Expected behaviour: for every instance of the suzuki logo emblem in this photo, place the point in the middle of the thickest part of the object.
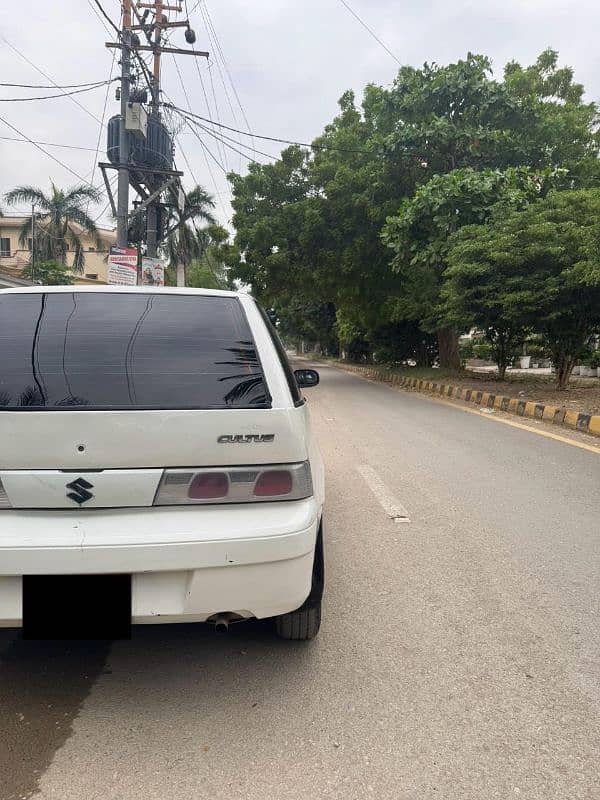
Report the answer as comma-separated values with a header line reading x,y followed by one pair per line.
x,y
80,491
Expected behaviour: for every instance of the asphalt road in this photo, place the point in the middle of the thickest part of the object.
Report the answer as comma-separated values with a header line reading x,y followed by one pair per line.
x,y
459,655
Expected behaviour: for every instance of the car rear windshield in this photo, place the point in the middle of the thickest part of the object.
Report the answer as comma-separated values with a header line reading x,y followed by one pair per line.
x,y
108,350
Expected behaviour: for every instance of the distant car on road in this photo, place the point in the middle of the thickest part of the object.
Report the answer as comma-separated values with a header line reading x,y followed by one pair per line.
x,y
159,435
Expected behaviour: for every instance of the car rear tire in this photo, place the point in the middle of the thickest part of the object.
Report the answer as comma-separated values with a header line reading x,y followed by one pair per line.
x,y
300,625
304,623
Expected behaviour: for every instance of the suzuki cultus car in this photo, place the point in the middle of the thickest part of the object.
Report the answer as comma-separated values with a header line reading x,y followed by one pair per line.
x,y
159,435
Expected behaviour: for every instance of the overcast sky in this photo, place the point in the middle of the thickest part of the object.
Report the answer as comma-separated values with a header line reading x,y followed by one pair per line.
x,y
289,62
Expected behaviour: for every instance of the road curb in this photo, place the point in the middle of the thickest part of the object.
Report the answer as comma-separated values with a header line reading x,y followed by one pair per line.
x,y
574,420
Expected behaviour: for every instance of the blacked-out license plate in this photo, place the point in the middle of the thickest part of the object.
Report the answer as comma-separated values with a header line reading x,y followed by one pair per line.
x,y
77,606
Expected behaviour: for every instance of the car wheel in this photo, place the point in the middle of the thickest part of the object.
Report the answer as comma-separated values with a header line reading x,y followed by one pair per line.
x,y
304,623
300,625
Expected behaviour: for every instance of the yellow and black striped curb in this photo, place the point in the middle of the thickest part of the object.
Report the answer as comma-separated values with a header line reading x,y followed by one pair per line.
x,y
576,420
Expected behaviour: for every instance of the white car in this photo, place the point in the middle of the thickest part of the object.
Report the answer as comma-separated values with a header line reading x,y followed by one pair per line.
x,y
155,451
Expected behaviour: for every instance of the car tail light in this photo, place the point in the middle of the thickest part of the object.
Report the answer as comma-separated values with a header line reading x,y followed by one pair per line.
x,y
273,482
4,501
208,486
234,485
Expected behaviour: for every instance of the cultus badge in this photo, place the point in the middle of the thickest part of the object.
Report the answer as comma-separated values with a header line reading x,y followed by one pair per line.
x,y
245,438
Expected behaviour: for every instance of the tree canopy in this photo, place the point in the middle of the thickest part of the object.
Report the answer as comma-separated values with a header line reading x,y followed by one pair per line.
x,y
536,268
348,242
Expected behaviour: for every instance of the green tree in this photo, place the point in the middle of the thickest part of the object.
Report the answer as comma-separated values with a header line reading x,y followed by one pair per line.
x,y
49,273
457,116
308,225
419,237
537,268
60,219
184,244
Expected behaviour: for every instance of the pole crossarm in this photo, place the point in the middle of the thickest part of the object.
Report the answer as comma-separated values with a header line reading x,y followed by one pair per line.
x,y
141,168
157,49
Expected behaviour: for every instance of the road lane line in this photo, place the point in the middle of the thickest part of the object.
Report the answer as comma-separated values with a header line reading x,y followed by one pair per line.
x,y
392,507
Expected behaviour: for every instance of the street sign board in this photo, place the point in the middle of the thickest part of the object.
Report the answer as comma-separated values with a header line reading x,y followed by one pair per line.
x,y
153,272
122,266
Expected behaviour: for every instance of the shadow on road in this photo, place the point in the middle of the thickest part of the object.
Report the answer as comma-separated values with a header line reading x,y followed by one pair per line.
x,y
42,687
44,684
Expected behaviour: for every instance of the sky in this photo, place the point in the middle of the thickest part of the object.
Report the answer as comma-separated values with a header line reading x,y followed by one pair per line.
x,y
289,63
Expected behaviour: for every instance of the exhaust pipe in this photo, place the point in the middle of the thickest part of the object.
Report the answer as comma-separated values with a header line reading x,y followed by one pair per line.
x,y
221,624
223,620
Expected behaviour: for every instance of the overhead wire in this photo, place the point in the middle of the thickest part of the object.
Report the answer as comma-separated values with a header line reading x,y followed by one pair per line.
x,y
221,154
370,31
46,86
312,146
222,137
106,17
41,71
39,147
226,68
101,128
47,144
55,96
214,43
204,148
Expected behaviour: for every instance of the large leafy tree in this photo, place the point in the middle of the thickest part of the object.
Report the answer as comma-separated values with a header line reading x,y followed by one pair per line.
x,y
185,242
308,226
60,219
466,131
419,237
538,267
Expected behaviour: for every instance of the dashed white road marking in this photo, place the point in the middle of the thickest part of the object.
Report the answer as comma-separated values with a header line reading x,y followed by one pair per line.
x,y
392,507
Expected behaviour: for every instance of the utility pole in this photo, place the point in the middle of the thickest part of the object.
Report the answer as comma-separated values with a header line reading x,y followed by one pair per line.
x,y
152,212
123,186
148,180
33,242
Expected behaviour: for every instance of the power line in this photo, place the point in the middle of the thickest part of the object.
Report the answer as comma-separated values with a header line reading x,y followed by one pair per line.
x,y
223,59
54,96
48,144
58,161
48,78
101,128
269,138
107,18
210,172
370,31
223,136
212,37
206,96
197,135
46,86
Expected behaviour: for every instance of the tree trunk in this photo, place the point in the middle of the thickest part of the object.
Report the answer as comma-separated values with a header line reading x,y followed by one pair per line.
x,y
180,274
448,347
564,366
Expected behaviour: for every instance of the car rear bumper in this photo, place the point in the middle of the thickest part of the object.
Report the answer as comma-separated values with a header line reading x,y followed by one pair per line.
x,y
187,564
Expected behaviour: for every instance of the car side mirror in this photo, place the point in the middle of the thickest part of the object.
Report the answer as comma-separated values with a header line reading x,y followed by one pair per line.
x,y
305,378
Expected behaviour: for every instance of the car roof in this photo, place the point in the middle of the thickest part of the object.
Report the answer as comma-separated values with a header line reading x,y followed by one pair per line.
x,y
105,288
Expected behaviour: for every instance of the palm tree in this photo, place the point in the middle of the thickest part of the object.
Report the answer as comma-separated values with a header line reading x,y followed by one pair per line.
x,y
56,216
185,243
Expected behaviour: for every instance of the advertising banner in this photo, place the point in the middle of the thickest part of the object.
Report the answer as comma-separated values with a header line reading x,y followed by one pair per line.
x,y
153,271
122,266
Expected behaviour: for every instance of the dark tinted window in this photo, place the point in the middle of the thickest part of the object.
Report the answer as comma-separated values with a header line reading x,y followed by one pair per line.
x,y
108,350
289,373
